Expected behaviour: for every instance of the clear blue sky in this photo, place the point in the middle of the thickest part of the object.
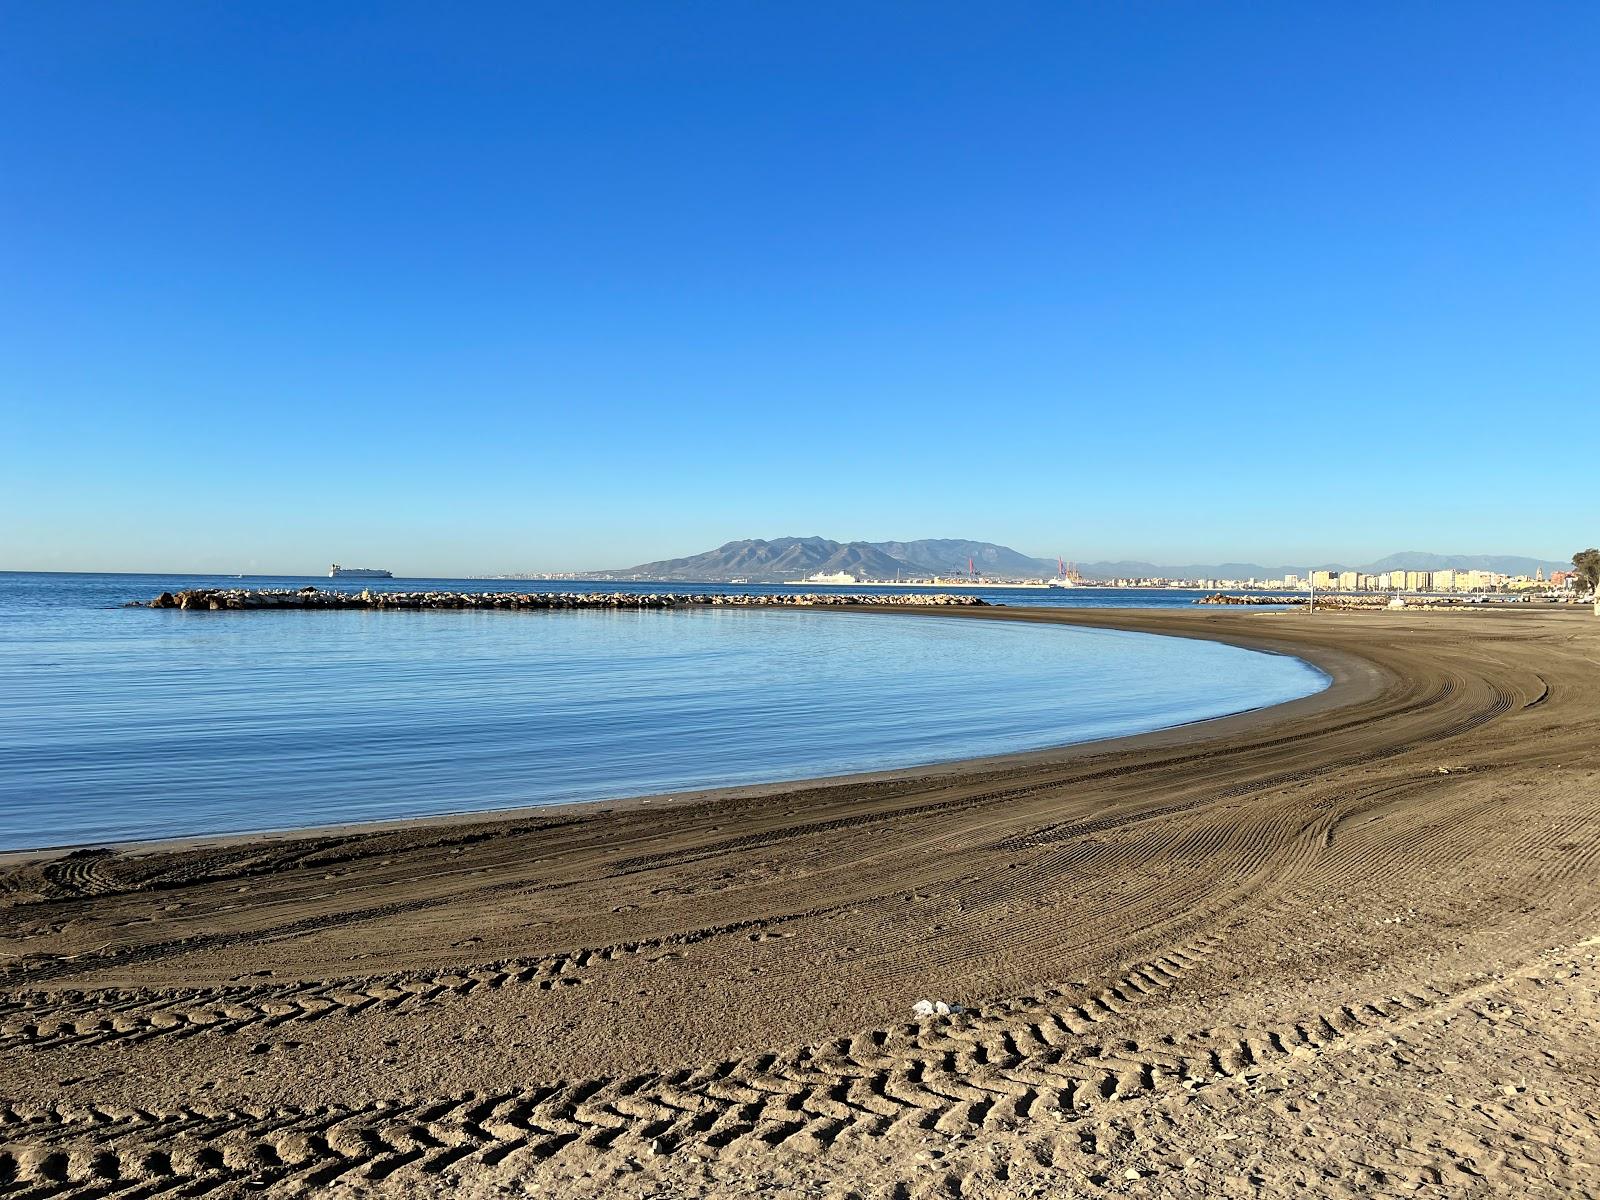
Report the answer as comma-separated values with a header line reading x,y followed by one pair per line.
x,y
528,286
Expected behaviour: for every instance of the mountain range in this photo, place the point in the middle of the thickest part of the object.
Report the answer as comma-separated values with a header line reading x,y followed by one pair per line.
x,y
762,560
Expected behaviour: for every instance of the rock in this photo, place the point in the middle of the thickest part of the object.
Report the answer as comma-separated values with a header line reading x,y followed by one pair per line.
x,y
309,597
1227,598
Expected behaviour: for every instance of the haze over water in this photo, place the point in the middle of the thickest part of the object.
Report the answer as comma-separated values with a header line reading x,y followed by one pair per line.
x,y
121,723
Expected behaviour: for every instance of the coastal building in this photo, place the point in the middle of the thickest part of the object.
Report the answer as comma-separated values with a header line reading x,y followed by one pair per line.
x,y
1444,580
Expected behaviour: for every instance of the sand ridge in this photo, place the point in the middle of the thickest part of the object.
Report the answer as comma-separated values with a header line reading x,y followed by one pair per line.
x,y
1163,943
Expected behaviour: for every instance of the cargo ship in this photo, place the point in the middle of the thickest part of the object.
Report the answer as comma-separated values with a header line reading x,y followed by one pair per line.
x,y
338,572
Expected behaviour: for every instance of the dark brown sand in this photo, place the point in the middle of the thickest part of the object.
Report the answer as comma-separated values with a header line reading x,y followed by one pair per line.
x,y
1341,946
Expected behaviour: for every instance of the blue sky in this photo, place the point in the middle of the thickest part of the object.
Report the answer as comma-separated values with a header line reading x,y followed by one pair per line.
x,y
533,286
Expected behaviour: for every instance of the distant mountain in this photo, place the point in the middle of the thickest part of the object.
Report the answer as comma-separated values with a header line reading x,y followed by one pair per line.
x,y
947,556
763,561
773,561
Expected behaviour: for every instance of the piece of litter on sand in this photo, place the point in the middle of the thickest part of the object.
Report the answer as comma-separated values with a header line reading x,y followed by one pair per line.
x,y
935,1008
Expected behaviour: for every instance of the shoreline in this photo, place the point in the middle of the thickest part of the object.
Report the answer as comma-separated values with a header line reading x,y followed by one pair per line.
x,y
1372,912
1340,672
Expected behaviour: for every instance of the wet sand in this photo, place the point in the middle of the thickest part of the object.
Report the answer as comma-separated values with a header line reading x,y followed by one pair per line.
x,y
1340,946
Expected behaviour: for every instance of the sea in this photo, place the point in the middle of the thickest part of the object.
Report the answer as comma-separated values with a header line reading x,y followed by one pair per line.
x,y
127,723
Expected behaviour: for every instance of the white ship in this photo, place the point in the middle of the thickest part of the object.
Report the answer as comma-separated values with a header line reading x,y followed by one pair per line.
x,y
338,572
838,577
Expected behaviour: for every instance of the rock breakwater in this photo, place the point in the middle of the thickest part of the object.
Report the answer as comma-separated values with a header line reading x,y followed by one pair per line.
x,y
1226,598
211,599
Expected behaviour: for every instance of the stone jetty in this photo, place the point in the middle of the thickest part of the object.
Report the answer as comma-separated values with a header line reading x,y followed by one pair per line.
x,y
1227,598
211,599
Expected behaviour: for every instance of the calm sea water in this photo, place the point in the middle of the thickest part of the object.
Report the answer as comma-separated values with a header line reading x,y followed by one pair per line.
x,y
120,723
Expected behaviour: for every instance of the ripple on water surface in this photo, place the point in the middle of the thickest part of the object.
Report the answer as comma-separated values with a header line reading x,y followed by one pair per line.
x,y
130,723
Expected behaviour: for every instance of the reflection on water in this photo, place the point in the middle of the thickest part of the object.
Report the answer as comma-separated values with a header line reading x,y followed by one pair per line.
x,y
120,723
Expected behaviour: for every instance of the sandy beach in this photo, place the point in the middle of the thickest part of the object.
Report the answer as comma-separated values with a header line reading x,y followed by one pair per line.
x,y
1343,946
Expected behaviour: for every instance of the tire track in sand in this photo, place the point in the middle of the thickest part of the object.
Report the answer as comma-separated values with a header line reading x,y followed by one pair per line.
x,y
996,1069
